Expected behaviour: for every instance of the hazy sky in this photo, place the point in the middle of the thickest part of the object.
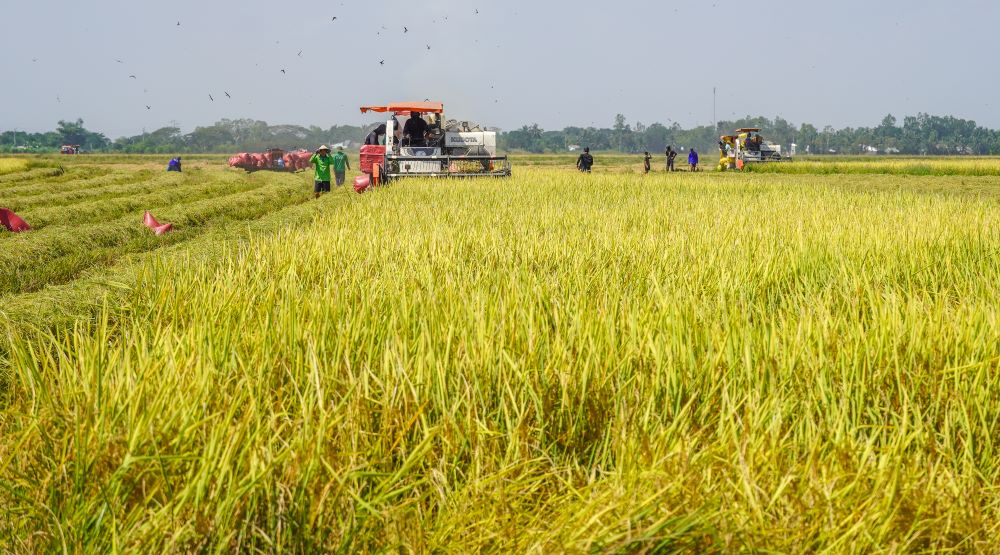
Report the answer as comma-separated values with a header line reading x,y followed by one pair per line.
x,y
839,62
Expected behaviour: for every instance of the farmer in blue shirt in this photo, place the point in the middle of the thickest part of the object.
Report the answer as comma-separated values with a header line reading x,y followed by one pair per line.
x,y
174,165
693,160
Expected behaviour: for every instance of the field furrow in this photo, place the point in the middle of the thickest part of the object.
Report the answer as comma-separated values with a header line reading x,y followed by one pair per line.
x,y
83,185
55,254
165,191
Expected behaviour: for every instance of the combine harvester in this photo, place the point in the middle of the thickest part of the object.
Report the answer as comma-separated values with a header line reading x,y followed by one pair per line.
x,y
449,149
747,147
273,159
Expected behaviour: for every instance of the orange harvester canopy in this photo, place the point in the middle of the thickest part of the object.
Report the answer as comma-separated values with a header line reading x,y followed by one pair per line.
x,y
402,107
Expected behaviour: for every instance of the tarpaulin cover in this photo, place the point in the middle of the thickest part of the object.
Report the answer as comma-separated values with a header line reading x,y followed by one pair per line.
x,y
12,221
149,221
401,107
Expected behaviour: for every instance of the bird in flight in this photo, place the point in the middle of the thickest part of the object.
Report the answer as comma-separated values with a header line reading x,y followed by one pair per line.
x,y
428,47
300,54
334,18
227,94
131,76
405,30
381,62
477,12
282,71
58,100
210,98
178,23
147,107
119,61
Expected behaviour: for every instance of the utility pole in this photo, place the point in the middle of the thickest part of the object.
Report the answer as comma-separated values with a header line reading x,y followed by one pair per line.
x,y
715,124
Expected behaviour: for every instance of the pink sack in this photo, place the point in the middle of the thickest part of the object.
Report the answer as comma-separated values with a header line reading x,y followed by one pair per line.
x,y
12,221
159,229
362,183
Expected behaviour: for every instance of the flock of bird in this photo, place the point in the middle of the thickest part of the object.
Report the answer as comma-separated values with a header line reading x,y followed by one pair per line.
x,y
283,71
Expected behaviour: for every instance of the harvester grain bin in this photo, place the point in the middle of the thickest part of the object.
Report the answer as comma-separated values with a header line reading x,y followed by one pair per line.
x,y
449,148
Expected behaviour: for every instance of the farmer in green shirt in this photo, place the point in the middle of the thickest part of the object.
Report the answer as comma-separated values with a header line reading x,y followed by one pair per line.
x,y
322,160
340,165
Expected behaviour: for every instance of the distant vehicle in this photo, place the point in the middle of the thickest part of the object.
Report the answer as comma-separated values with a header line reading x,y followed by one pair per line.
x,y
70,149
449,148
746,146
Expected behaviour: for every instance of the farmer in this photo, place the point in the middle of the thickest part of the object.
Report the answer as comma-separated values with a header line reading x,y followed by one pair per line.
x,y
322,160
671,154
585,162
645,162
340,165
693,160
414,130
372,138
174,165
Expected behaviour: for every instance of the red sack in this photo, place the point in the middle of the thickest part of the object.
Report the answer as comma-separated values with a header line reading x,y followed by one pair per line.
x,y
362,183
302,159
12,221
159,229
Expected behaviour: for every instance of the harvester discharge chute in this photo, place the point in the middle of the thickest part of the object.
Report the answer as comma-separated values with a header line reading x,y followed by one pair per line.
x,y
448,148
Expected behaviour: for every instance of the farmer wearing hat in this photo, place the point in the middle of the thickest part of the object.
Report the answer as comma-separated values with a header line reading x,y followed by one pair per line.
x,y
322,160
340,165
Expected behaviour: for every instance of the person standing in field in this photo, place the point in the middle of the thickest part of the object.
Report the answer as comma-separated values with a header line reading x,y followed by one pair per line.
x,y
340,165
322,161
585,162
645,162
671,154
174,165
693,160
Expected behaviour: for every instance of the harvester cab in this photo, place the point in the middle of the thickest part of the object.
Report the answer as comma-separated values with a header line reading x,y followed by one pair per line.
x,y
747,147
434,148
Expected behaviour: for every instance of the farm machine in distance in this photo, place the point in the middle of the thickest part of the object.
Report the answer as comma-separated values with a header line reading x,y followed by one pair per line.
x,y
448,148
746,146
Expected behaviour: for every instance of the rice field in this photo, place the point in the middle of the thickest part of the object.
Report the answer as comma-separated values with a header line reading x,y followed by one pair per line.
x,y
968,166
11,165
553,363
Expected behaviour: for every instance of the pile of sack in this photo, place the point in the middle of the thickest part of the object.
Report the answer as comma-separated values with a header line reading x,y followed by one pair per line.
x,y
297,160
271,160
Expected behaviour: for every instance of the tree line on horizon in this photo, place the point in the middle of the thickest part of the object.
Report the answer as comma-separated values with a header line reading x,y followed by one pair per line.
x,y
922,134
